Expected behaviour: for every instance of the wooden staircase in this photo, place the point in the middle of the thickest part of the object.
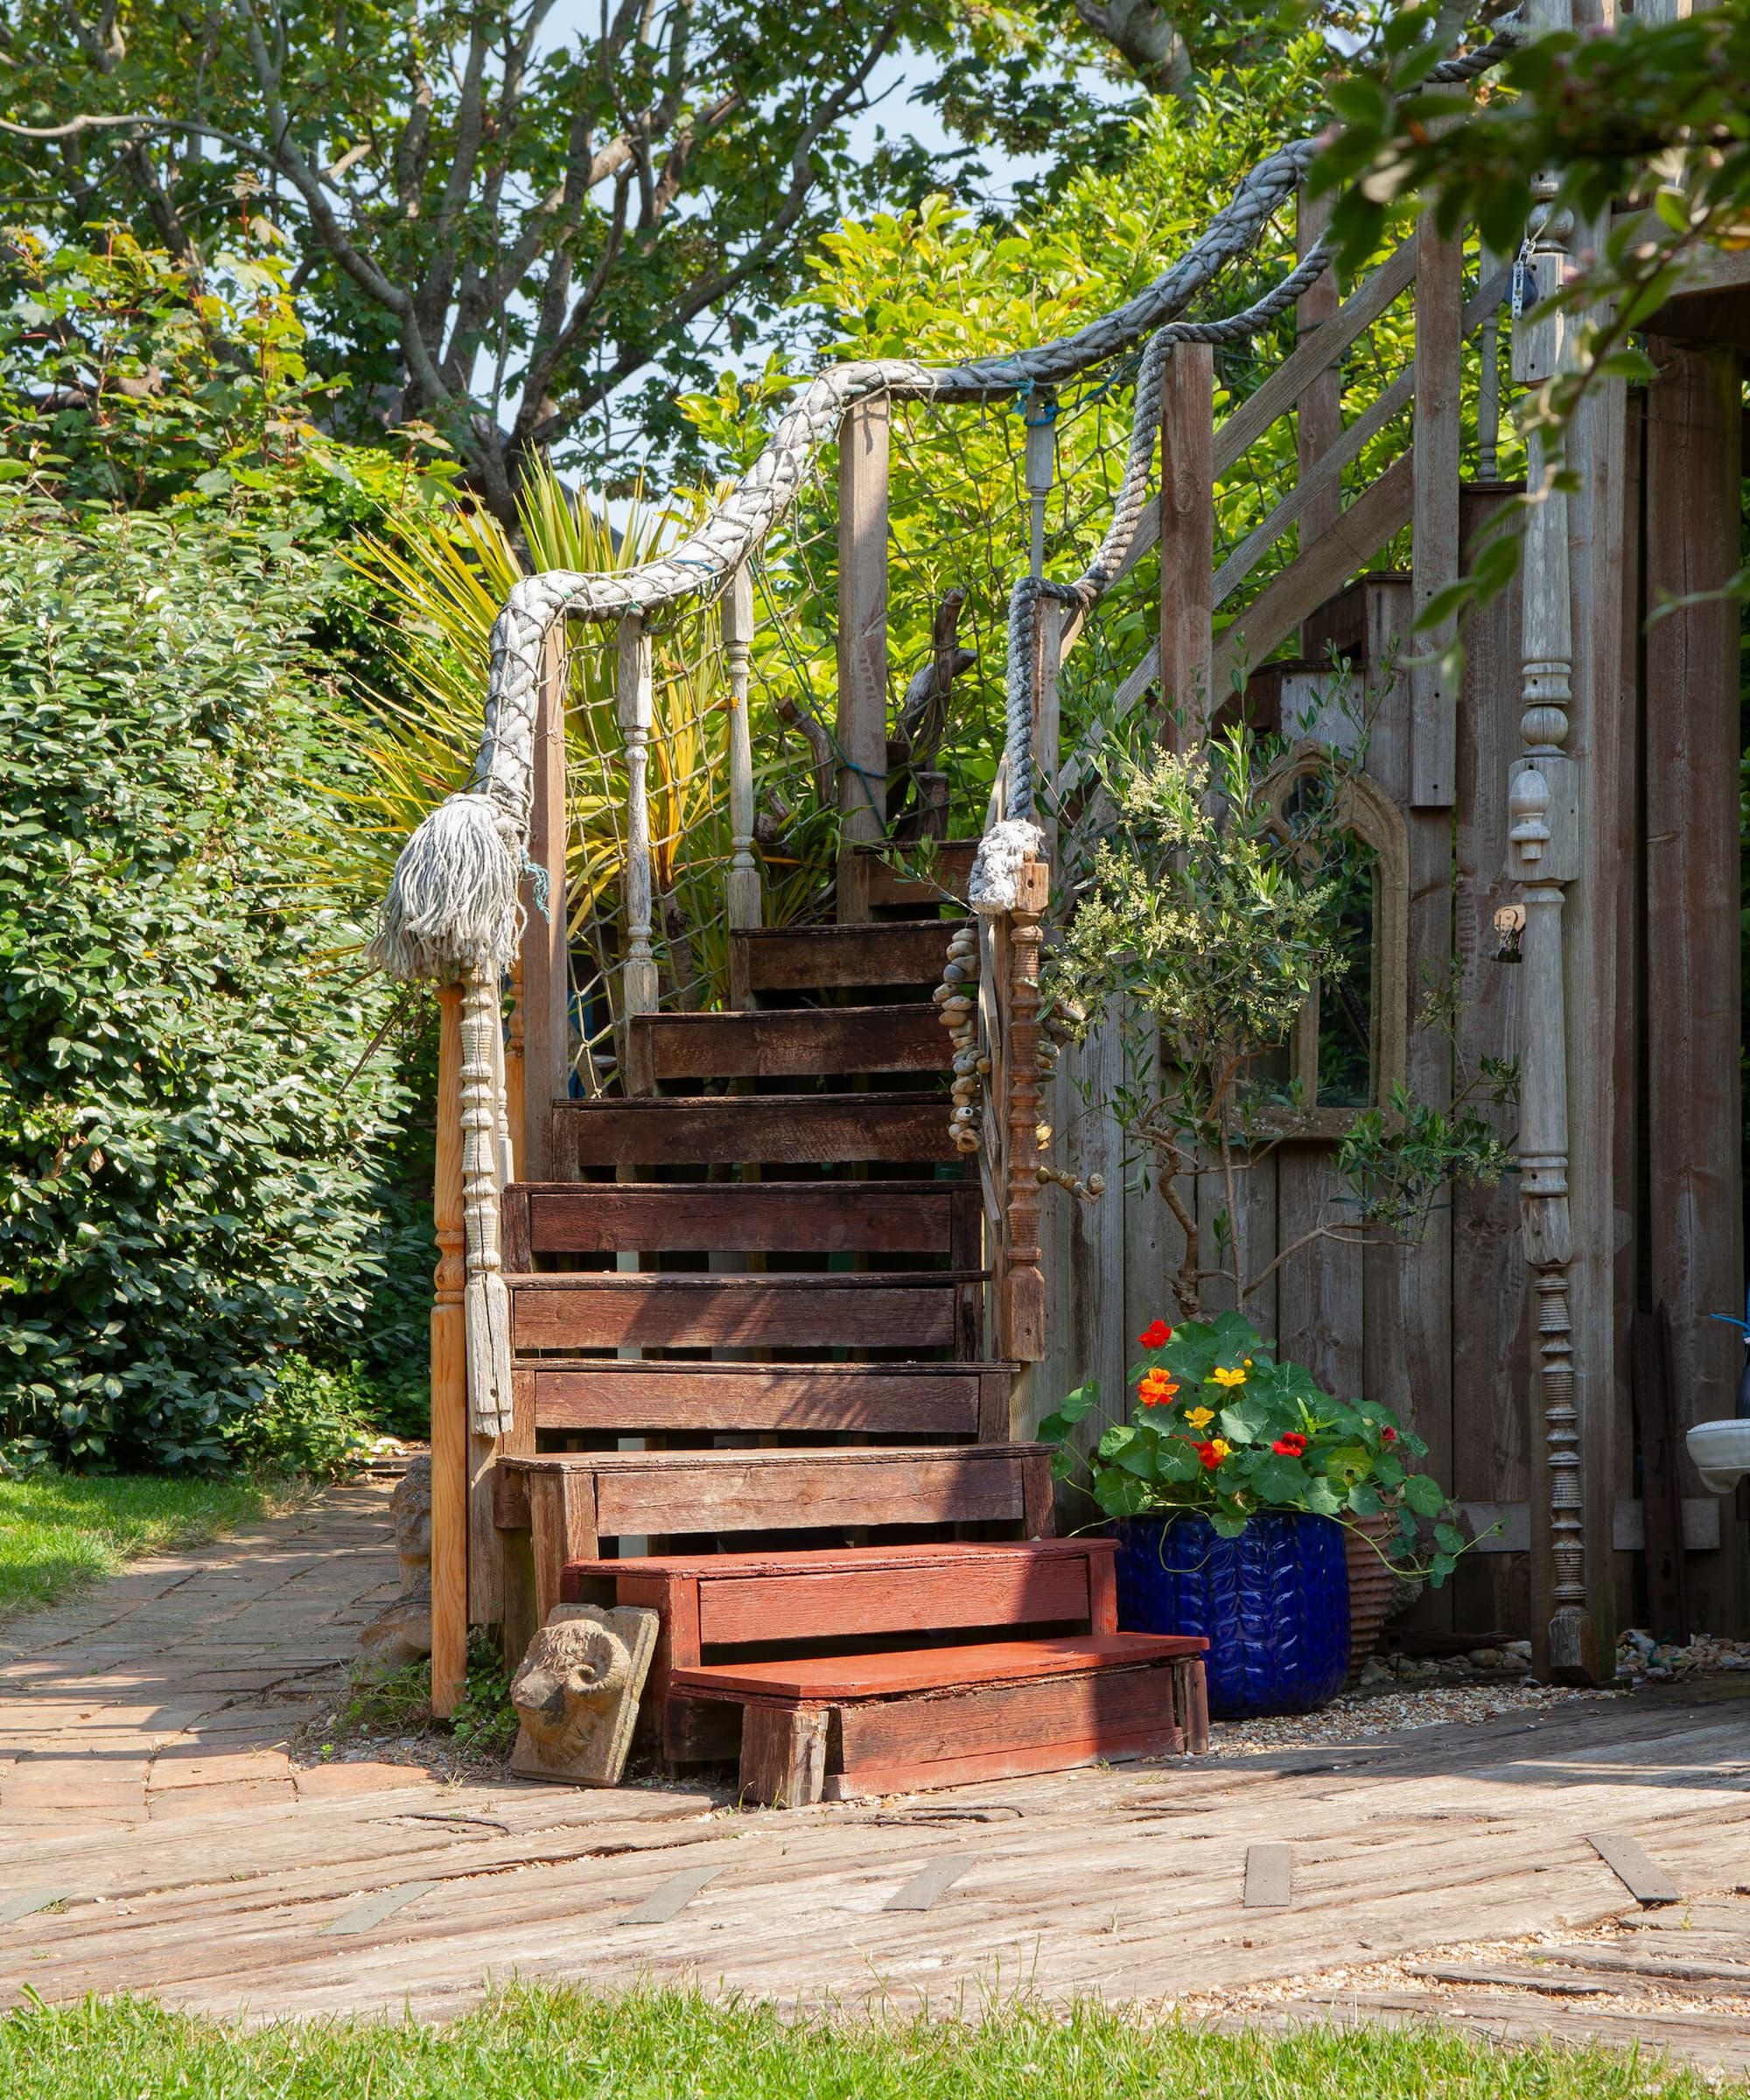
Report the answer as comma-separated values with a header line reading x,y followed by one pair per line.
x,y
750,1313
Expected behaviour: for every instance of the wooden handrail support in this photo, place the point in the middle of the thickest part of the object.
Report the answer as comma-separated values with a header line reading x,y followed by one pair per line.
x,y
1267,615
862,719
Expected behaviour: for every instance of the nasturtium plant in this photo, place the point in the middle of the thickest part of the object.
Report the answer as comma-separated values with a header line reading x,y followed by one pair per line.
x,y
1222,1429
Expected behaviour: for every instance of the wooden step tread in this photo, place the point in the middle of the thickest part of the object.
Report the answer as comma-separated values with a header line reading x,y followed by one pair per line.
x,y
766,1129
838,1679
925,1309
963,1399
785,1043
743,1217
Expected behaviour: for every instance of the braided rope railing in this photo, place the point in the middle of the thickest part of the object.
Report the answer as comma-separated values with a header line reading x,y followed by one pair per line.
x,y
453,911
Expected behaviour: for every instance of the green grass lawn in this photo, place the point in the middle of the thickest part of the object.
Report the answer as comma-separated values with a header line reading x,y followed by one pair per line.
x,y
674,2044
58,1531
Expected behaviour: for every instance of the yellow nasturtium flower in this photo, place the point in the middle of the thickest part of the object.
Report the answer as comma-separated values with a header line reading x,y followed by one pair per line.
x,y
1200,1416
1220,1376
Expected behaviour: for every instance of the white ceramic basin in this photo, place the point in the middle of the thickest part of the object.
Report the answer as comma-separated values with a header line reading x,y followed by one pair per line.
x,y
1721,1450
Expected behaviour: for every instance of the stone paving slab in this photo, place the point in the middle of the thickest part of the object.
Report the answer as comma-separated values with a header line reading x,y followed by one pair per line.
x,y
172,1691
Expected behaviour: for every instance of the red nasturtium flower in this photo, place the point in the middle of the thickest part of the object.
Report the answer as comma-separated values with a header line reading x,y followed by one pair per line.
x,y
1291,1445
1387,1436
1156,1336
1212,1454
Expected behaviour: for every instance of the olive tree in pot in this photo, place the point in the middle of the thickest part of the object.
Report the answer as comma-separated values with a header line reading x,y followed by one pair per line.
x,y
1212,913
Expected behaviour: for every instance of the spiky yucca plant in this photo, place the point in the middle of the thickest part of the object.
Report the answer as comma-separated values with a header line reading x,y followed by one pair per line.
x,y
440,585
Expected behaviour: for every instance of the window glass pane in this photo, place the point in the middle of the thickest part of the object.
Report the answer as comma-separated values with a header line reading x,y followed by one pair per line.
x,y
1345,1003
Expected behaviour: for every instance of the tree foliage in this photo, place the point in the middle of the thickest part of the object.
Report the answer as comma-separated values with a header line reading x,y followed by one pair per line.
x,y
187,1113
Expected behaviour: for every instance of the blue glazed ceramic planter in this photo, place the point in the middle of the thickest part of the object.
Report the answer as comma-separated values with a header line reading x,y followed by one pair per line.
x,y
1273,1603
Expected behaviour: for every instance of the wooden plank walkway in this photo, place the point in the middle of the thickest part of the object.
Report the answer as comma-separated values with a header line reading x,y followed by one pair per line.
x,y
1405,1856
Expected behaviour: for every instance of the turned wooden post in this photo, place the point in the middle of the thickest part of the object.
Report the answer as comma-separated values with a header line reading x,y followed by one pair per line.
x,y
1434,519
863,439
449,1377
1544,857
634,702
1187,543
542,1027
737,639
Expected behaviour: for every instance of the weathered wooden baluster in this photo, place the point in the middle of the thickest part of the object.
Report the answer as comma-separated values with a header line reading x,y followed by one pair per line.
x,y
738,639
1544,855
634,704
449,1376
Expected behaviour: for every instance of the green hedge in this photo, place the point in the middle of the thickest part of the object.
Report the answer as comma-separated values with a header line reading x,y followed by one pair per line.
x,y
191,1133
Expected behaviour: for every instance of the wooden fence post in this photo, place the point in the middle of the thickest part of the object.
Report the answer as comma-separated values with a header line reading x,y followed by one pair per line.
x,y
1187,542
635,704
544,1004
449,1377
737,639
864,441
1434,520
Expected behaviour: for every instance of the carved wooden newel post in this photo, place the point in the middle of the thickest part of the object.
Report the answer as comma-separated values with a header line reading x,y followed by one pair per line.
x,y
1544,855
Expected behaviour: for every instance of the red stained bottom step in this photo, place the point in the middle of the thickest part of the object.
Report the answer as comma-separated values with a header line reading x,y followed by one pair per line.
x,y
839,1727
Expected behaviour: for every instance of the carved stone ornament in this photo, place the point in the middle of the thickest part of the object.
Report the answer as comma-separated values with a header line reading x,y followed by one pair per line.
x,y
576,1693
402,1633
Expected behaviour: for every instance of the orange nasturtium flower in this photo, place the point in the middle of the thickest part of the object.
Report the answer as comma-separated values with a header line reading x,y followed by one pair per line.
x,y
1156,1388
1220,1376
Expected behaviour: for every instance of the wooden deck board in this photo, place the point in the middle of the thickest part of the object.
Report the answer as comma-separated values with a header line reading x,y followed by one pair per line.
x,y
1452,1825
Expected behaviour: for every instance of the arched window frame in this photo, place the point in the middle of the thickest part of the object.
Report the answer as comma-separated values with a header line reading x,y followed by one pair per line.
x,y
1368,814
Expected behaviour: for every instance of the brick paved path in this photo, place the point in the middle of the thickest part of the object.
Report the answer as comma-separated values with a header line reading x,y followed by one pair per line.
x,y
173,1690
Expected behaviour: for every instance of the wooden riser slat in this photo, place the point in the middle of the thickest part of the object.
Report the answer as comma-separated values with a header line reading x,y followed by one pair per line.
x,y
886,886
1015,1591
742,1600
786,1043
928,1312
743,1217
936,1400
647,1493
771,1130
838,957
568,1502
